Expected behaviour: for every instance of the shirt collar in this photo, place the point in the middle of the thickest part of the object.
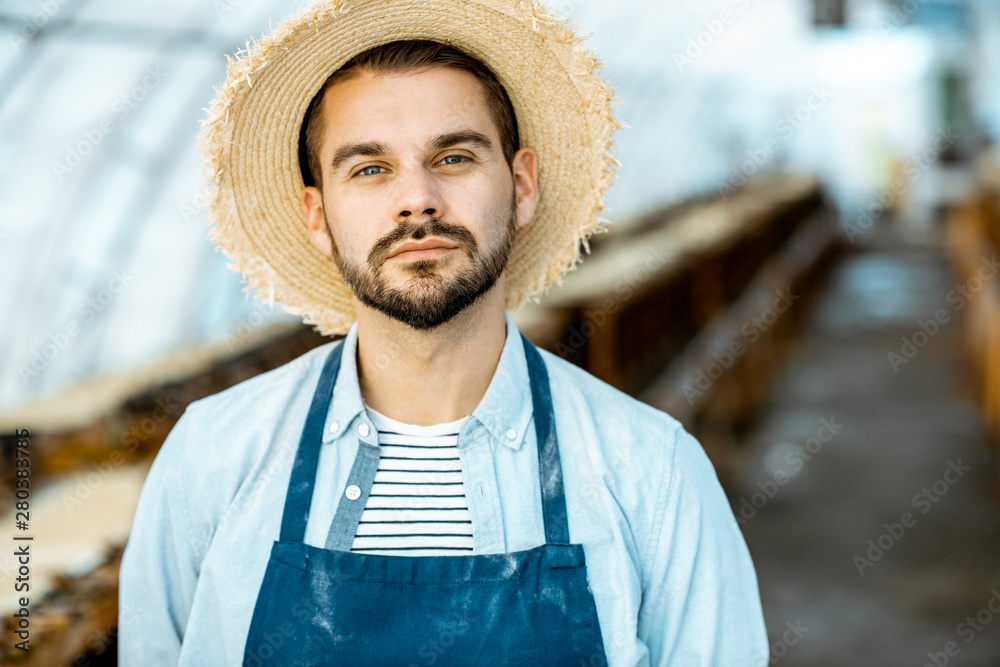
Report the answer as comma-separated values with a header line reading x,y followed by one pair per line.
x,y
504,411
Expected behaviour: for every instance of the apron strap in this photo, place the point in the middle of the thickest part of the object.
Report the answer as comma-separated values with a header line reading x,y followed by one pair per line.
x,y
549,467
298,499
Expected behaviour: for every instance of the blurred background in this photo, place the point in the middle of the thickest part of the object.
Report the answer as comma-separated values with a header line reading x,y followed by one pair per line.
x,y
802,271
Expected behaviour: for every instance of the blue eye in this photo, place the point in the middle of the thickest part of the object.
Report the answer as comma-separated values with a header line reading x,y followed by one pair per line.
x,y
362,172
460,157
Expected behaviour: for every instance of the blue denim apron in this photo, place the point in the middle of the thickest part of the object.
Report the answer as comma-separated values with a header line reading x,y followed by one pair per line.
x,y
335,607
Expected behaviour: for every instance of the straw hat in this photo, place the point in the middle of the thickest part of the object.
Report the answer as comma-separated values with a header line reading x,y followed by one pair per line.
x,y
251,139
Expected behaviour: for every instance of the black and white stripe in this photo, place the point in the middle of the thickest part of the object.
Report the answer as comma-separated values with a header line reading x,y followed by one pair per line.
x,y
417,505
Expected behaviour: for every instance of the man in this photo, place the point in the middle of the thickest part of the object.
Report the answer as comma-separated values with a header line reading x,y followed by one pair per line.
x,y
433,489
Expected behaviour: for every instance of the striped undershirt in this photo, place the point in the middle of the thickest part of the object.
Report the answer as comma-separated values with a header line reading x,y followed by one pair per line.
x,y
417,505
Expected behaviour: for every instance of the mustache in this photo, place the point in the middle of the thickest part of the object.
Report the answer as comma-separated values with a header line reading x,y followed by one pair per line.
x,y
410,230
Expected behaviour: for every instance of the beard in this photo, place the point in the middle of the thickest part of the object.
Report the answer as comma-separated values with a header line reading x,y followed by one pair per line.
x,y
429,299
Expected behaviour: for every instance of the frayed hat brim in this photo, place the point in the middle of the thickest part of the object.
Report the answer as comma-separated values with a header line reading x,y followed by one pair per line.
x,y
250,139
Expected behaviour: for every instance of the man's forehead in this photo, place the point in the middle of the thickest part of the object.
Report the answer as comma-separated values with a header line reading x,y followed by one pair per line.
x,y
426,102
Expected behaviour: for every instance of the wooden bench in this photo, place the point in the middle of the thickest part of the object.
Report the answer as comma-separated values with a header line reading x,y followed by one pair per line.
x,y
973,240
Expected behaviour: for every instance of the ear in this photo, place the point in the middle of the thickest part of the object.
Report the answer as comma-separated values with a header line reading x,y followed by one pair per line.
x,y
312,209
524,168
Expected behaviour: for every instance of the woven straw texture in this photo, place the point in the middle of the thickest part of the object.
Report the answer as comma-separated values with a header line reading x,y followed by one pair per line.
x,y
250,139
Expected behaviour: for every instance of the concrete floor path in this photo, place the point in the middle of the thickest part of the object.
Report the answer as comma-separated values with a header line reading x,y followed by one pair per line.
x,y
881,544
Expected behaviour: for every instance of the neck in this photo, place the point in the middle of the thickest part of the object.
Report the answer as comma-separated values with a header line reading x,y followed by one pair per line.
x,y
430,376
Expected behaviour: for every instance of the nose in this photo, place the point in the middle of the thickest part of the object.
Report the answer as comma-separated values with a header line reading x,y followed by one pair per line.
x,y
418,196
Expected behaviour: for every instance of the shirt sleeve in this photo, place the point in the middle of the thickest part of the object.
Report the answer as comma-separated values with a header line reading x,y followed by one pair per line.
x,y
701,605
159,568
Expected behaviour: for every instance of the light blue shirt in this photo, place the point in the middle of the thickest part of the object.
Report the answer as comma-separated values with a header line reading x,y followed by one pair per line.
x,y
669,569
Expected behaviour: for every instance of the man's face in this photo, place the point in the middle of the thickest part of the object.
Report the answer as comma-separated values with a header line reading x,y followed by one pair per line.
x,y
419,206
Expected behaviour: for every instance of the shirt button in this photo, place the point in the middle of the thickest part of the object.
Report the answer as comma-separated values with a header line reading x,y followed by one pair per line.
x,y
353,492
333,427
511,434
363,429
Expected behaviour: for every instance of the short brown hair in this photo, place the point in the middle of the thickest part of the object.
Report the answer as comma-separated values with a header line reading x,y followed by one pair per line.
x,y
405,56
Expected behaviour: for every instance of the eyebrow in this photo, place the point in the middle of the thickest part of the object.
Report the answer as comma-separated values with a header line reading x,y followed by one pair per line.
x,y
377,148
461,137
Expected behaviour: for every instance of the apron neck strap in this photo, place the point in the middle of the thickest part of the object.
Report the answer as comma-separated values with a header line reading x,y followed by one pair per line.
x,y
298,498
549,467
